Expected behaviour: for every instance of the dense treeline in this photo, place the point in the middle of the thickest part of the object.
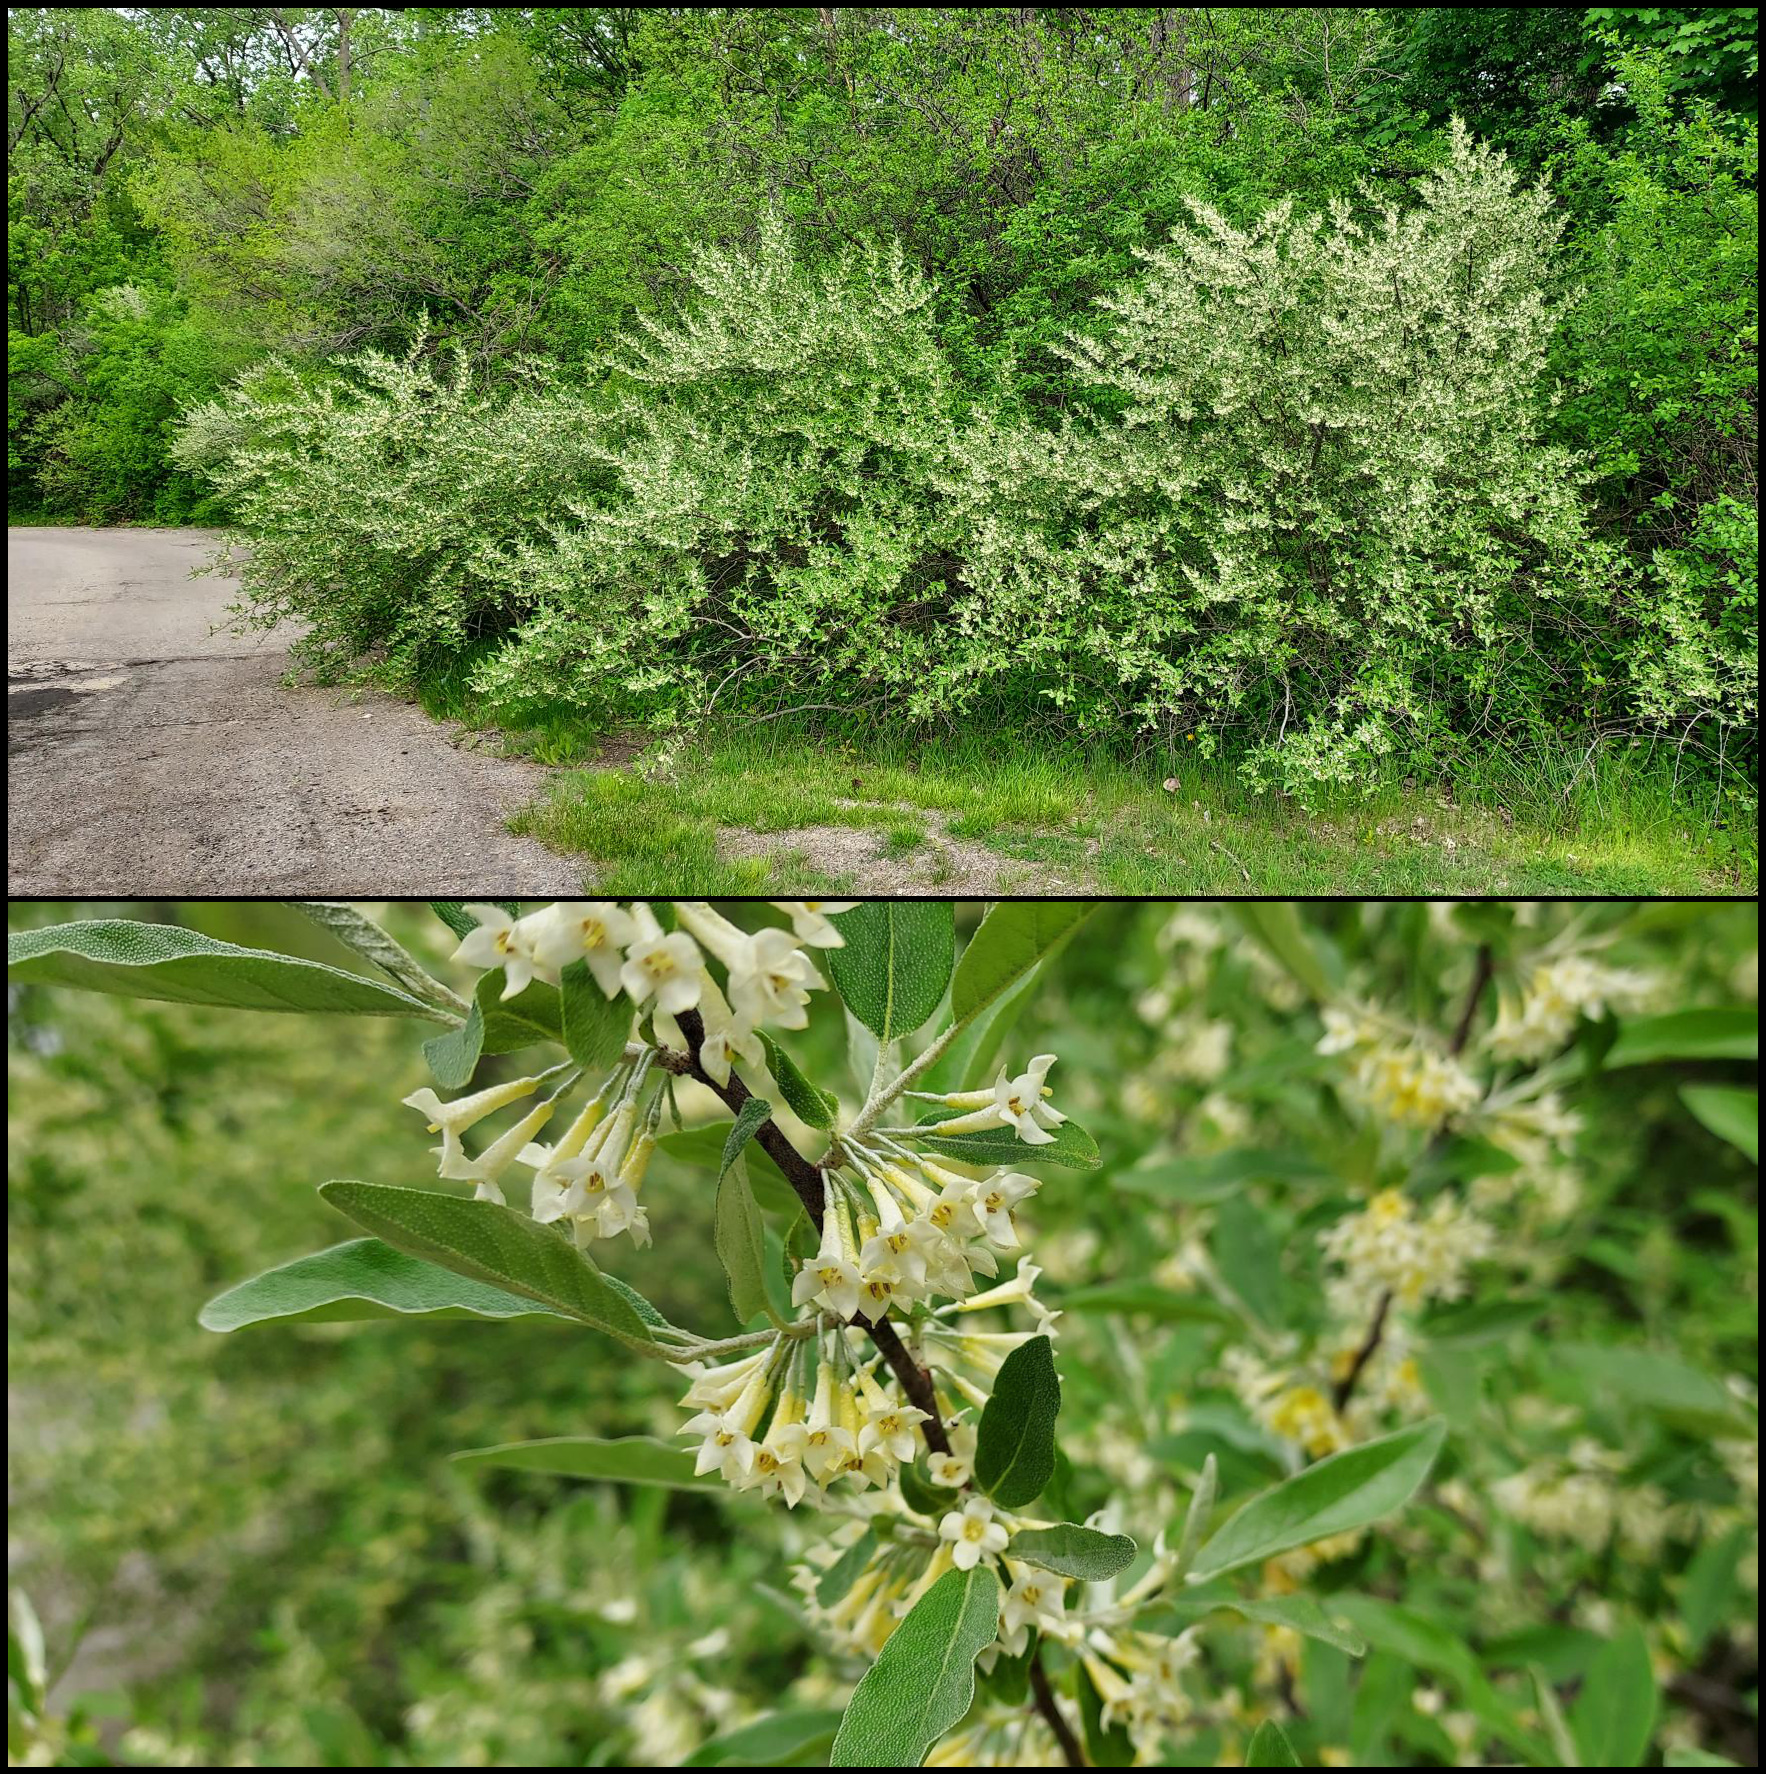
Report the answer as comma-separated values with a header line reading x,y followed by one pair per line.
x,y
1216,371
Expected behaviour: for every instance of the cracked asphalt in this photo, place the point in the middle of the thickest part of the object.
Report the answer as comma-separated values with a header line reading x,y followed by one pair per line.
x,y
153,753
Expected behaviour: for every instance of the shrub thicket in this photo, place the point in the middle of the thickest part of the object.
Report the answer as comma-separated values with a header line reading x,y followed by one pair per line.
x,y
1301,491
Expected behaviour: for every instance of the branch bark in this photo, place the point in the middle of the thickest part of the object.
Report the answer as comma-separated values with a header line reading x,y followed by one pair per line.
x,y
1346,1386
1052,1715
806,1182
1481,972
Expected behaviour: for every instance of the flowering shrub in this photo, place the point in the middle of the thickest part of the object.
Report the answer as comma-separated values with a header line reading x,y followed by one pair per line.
x,y
970,1482
1301,490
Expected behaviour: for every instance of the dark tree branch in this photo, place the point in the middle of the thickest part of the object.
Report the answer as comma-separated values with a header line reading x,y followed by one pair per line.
x,y
1481,972
1052,1715
1346,1386
803,1176
915,1381
1480,979
806,1181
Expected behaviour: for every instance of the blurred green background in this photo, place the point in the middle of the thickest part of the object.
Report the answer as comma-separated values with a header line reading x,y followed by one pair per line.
x,y
250,1549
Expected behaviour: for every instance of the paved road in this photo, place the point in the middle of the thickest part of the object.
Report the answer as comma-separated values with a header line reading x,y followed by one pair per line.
x,y
150,755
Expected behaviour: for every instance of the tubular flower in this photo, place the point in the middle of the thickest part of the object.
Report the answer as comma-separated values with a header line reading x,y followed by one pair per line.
x,y
1559,993
830,1278
496,1158
809,920
451,1120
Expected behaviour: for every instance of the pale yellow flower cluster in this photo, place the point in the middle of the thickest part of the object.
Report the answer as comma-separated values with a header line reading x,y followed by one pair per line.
x,y
1392,1247
1141,1683
1584,1498
1557,994
1410,1082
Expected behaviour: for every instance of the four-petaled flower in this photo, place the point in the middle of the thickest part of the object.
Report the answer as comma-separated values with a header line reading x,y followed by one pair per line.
x,y
501,941
586,930
1019,1102
973,1533
770,981
666,967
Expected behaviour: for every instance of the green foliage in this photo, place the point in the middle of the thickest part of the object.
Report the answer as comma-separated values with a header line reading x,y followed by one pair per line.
x,y
895,963
924,1680
1344,1492
317,1581
1015,1443
361,1279
485,1242
186,967
828,418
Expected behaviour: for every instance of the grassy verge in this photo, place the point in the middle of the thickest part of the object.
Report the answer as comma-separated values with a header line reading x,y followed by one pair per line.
x,y
764,808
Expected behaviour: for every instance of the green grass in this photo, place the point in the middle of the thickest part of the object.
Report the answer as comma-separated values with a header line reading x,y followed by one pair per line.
x,y
1054,817
1043,813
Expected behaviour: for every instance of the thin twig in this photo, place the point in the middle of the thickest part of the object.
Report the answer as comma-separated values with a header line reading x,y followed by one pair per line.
x,y
806,1180
1052,1714
1215,844
1484,967
1480,979
1365,1354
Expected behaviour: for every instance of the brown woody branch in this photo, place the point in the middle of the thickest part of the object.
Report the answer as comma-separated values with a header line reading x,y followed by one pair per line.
x,y
1052,1715
1346,1386
806,1181
1484,967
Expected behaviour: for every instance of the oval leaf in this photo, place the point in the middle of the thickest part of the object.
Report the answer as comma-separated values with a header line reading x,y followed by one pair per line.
x,y
184,967
1073,1147
1011,940
1270,1748
1015,1445
533,1015
743,1129
485,1242
1732,1115
632,1459
813,1107
1348,1490
741,1247
359,1280
594,1026
1616,1710
453,1057
896,962
1073,1551
924,1680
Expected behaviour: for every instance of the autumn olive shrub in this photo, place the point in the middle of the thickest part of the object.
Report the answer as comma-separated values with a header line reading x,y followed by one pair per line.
x,y
1301,492
1315,498
904,1415
373,506
898,1379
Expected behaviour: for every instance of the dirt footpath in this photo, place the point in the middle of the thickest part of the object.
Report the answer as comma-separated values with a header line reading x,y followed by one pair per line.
x,y
149,755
